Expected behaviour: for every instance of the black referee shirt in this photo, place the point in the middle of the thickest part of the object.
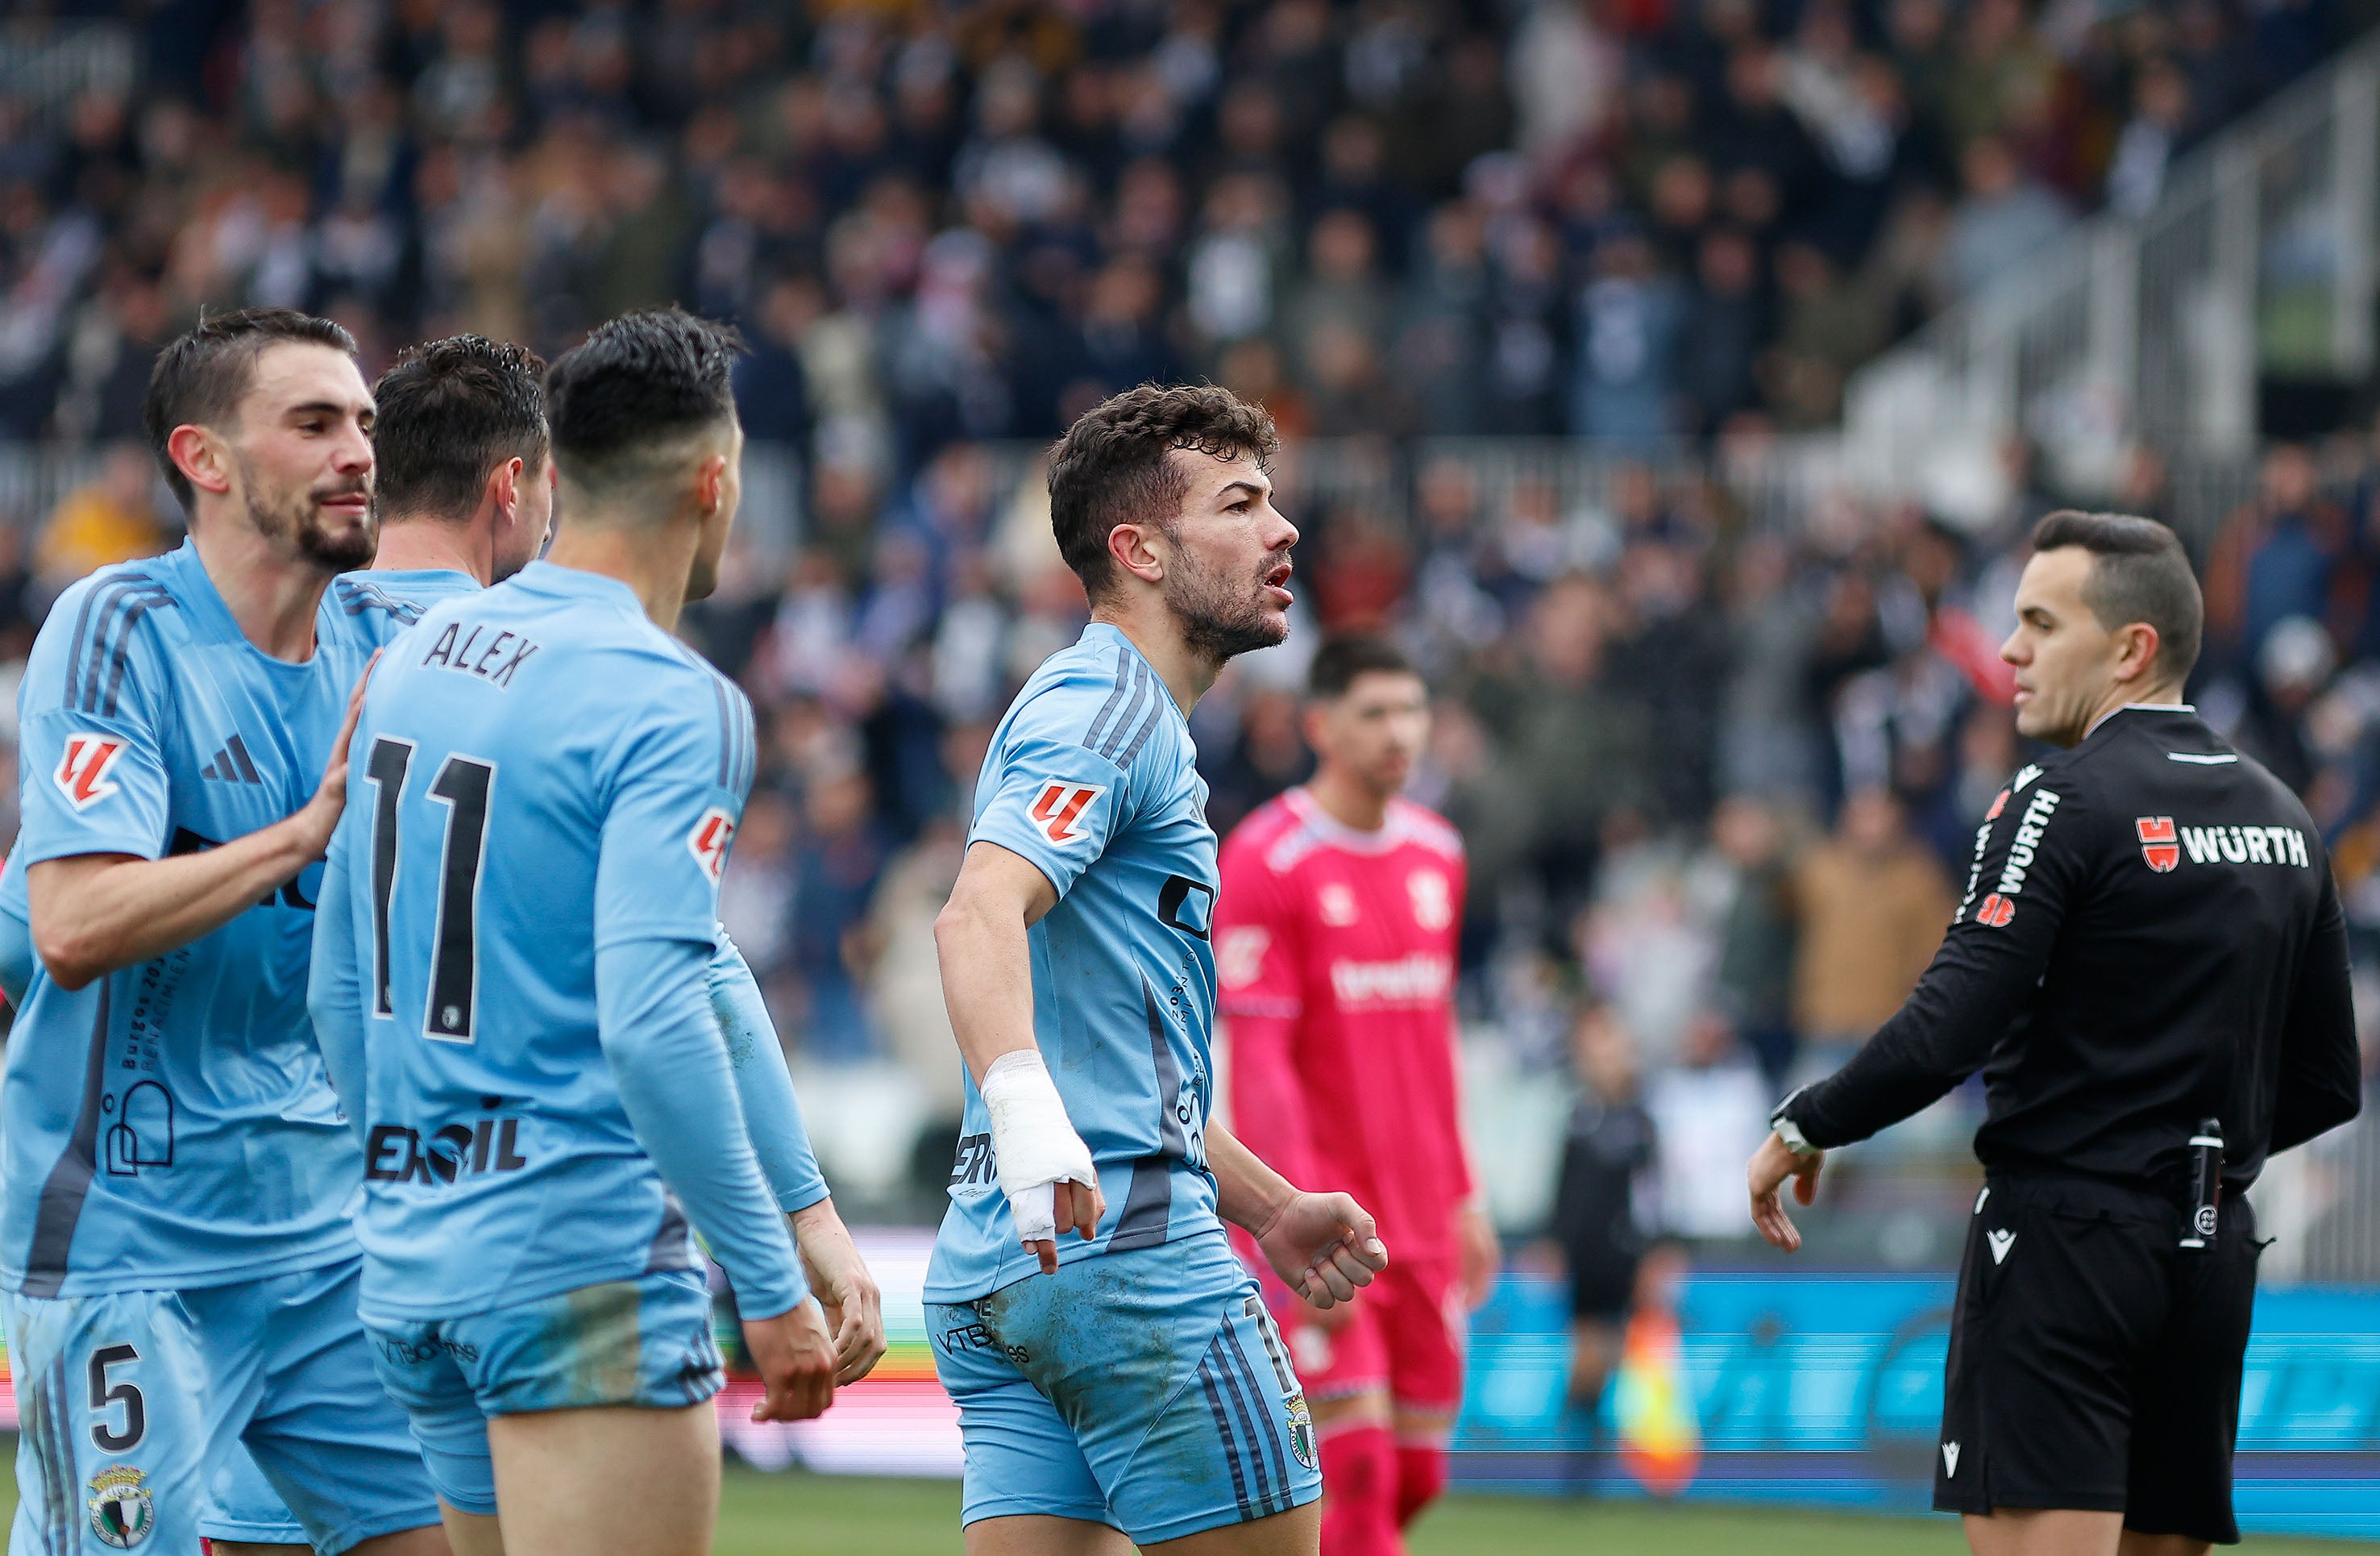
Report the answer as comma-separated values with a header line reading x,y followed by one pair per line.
x,y
2150,936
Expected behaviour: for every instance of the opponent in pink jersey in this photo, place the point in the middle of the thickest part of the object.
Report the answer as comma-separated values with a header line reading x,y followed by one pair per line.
x,y
1335,935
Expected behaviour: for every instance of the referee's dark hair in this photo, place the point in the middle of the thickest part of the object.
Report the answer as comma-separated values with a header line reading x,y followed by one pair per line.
x,y
451,411
2139,573
626,404
1340,661
203,372
1111,466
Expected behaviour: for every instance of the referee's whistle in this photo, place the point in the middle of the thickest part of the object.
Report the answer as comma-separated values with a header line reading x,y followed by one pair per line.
x,y
2206,1170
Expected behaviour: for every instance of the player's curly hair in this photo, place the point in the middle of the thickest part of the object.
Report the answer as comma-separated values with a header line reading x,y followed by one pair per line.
x,y
451,411
1112,468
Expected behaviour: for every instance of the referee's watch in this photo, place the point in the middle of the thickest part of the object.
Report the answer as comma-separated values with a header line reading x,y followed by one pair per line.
x,y
1789,1131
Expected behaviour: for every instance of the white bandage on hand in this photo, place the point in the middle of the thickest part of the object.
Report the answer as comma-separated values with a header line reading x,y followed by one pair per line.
x,y
1032,1143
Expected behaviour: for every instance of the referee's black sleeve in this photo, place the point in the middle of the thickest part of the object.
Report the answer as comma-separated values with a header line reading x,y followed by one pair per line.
x,y
2320,1067
2030,862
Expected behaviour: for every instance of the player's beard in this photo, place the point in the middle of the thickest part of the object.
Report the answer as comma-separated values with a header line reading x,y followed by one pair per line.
x,y
1222,618
299,523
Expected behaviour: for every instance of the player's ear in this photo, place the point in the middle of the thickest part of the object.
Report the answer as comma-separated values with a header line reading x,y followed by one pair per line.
x,y
202,458
1132,547
504,486
2136,652
711,483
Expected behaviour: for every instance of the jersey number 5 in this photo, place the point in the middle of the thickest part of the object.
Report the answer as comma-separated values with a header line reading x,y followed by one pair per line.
x,y
462,785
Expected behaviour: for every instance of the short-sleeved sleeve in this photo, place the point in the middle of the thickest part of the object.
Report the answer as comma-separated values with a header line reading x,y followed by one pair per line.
x,y
675,796
90,735
1047,795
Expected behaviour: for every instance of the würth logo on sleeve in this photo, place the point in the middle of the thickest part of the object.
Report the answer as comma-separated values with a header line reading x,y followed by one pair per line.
x,y
1059,806
82,772
1996,911
2160,843
709,840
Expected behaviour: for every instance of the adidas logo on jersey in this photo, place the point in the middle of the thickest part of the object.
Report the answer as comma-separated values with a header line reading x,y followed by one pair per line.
x,y
232,765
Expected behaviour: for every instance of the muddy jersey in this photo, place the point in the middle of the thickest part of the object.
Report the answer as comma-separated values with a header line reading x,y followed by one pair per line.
x,y
2150,936
1091,778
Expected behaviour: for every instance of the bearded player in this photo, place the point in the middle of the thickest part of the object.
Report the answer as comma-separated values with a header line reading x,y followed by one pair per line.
x,y
1335,938
1119,1380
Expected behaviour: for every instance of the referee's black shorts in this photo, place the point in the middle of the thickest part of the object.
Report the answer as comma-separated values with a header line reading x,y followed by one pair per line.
x,y
2094,1363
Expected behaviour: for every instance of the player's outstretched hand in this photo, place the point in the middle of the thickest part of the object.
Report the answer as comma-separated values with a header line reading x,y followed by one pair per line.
x,y
1324,1246
1773,1163
855,1308
322,812
795,1357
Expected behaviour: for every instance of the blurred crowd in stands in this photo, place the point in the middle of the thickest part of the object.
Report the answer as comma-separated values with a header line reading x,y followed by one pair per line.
x,y
1626,219
1718,776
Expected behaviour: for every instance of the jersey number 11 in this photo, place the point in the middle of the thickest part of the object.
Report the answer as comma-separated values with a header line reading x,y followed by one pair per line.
x,y
462,785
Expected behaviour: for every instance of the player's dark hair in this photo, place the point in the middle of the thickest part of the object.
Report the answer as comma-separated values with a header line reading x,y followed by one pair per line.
x,y
201,375
1340,662
2139,573
636,387
450,412
1112,468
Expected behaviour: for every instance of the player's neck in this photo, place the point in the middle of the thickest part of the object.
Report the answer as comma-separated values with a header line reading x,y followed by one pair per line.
x,y
1152,629
654,563
429,545
1351,804
271,596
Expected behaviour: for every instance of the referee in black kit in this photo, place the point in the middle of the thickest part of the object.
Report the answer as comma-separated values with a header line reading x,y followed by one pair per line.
x,y
2150,968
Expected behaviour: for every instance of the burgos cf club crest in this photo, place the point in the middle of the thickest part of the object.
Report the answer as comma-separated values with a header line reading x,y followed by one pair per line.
x,y
121,1512
1301,1430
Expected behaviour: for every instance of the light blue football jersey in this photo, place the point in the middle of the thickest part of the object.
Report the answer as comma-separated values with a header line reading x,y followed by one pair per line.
x,y
1092,777
389,601
543,782
170,1125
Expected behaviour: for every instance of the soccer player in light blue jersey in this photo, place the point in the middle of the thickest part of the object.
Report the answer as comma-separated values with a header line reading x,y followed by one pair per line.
x,y
175,1241
512,986
465,495
1123,1385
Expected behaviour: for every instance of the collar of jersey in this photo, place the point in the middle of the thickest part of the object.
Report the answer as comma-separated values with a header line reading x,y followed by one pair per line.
x,y
1110,632
2139,708
454,577
196,595
1338,833
578,583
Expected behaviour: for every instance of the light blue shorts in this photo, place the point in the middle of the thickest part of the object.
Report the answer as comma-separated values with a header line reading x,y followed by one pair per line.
x,y
1147,1391
645,1343
247,1412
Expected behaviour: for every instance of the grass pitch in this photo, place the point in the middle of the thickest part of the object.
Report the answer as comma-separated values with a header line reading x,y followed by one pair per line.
x,y
834,1515
819,1515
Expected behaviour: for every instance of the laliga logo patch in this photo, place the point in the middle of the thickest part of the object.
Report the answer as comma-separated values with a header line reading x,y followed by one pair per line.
x,y
1058,807
122,1514
2160,844
82,772
709,840
1433,899
1996,911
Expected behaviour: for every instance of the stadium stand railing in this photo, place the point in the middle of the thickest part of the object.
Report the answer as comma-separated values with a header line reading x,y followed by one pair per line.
x,y
2259,260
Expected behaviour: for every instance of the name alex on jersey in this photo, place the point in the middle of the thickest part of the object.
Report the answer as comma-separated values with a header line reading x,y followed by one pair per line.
x,y
2164,844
